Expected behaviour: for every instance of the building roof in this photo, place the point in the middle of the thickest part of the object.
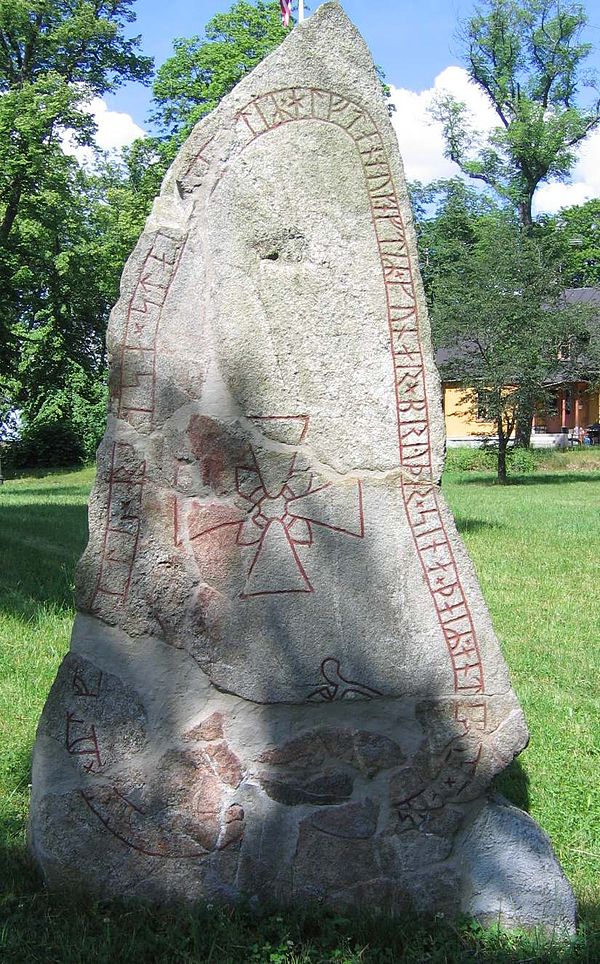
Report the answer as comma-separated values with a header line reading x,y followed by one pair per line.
x,y
583,296
445,357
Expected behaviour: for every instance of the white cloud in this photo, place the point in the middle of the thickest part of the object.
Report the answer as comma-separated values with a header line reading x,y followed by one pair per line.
x,y
420,137
422,144
115,130
583,185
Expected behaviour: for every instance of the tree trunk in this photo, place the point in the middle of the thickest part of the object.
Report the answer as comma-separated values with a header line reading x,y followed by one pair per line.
x,y
523,430
524,424
525,211
525,412
502,476
12,208
502,443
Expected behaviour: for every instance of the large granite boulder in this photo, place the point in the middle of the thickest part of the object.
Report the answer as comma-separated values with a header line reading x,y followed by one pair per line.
x,y
283,682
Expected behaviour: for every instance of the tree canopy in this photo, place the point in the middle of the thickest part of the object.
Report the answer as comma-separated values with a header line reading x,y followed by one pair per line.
x,y
445,212
528,58
54,57
500,314
190,83
66,229
204,68
576,233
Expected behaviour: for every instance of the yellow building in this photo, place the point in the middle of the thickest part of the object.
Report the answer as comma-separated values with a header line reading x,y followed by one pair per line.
x,y
576,408
574,411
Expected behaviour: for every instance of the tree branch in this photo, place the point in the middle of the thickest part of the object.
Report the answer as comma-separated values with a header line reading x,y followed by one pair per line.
x,y
12,208
9,61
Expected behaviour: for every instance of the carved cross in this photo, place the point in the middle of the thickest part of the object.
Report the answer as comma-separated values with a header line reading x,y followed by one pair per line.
x,y
280,507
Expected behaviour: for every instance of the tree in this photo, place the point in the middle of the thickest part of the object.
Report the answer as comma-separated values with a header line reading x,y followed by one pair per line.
x,y
63,288
54,56
445,213
65,232
528,58
576,232
499,310
204,68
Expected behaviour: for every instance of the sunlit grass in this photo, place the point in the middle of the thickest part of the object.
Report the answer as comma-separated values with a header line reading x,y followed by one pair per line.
x,y
42,533
536,547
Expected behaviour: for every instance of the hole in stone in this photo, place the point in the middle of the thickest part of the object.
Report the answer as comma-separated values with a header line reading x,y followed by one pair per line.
x,y
286,245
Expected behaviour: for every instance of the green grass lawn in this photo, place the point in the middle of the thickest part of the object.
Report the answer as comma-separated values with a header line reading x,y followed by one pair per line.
x,y
536,546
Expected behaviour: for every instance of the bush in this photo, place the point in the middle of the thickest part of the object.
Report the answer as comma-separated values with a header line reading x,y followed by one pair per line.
x,y
471,459
82,406
54,443
485,459
90,428
63,429
521,461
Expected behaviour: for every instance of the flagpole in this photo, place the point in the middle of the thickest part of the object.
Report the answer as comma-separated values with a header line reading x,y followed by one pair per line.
x,y
300,11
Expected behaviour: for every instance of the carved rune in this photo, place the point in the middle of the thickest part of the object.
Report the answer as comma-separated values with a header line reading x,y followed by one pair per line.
x,y
339,687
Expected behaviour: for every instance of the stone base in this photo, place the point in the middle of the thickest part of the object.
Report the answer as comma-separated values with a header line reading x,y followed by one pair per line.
x,y
331,857
511,874
197,795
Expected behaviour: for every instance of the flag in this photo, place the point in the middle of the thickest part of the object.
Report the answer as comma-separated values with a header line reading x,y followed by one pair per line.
x,y
286,11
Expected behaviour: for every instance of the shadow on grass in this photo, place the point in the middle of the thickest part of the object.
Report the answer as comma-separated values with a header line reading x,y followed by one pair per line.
x,y
39,547
52,491
535,478
14,475
476,525
45,928
68,927
513,783
16,765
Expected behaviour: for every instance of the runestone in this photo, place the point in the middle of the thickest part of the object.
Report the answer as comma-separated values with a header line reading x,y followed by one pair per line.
x,y
283,684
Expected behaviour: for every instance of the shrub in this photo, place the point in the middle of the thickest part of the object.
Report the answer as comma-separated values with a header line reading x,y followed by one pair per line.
x,y
89,422
82,406
485,459
471,459
521,461
53,443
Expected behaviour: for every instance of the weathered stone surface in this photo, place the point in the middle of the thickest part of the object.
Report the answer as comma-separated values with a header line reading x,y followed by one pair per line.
x,y
209,729
283,681
326,863
323,790
511,874
366,751
352,820
84,702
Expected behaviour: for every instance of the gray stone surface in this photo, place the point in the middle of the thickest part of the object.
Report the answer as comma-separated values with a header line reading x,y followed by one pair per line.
x,y
283,681
512,874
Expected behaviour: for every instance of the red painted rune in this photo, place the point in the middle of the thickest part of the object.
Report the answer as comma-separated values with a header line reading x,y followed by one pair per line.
x,y
280,507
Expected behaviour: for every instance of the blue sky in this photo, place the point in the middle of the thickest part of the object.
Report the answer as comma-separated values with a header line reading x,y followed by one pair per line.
x,y
414,42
